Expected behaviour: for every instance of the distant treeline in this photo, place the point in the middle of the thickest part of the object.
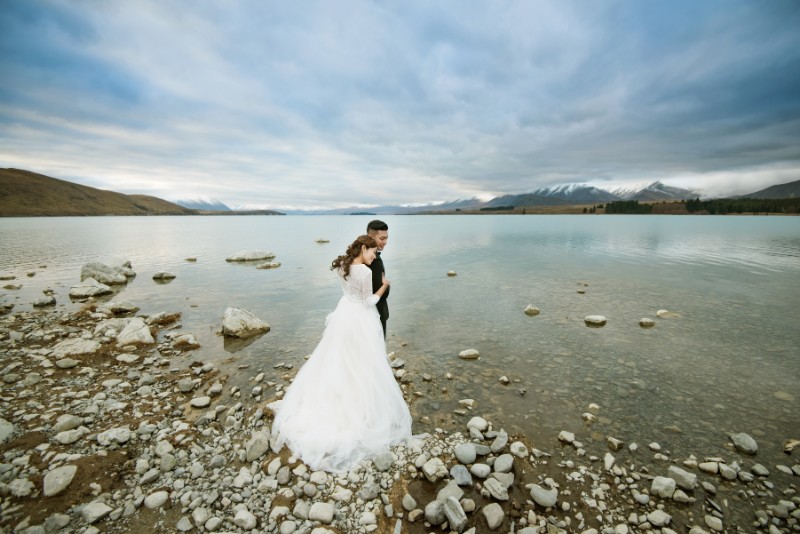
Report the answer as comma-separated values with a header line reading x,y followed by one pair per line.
x,y
498,208
722,206
628,206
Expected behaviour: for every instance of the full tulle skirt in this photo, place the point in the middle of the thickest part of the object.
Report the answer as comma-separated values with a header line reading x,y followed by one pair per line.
x,y
344,404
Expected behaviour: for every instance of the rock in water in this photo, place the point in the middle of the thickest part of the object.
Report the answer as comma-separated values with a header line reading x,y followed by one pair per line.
x,y
103,274
469,354
135,332
531,310
744,443
241,323
595,321
251,255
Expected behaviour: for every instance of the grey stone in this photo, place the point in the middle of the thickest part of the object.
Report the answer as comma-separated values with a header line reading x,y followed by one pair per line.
x,y
156,499
496,489
545,498
744,443
434,512
504,463
7,430
465,452
322,512
663,487
659,518
494,515
57,480
244,519
136,332
94,511
242,324
683,479
455,514
461,475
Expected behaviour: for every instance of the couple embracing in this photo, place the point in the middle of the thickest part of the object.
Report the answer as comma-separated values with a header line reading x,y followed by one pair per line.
x,y
344,405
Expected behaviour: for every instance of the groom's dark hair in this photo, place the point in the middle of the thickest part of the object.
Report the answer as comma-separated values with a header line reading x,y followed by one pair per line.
x,y
377,226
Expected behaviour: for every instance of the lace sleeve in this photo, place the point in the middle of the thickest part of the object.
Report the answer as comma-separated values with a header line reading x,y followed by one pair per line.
x,y
365,281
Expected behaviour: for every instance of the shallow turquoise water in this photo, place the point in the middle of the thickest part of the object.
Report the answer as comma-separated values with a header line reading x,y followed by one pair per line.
x,y
729,362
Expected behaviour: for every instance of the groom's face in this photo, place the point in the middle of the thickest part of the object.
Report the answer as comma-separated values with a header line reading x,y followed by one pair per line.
x,y
381,237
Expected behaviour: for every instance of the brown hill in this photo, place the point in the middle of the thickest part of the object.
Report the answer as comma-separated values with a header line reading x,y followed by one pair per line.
x,y
27,194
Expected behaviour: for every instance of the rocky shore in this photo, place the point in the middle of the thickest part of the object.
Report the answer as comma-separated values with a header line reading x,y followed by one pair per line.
x,y
109,423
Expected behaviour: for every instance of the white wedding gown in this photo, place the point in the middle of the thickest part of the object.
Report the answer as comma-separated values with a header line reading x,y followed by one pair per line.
x,y
344,404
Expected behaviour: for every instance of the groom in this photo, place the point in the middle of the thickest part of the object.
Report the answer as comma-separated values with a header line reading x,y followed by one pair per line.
x,y
379,231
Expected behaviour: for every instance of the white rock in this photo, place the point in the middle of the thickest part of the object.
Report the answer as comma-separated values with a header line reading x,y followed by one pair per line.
x,y
645,322
519,449
478,423
434,470
90,288
242,324
75,347
494,515
117,435
136,332
469,354
94,511
57,480
200,402
659,518
545,498
531,310
322,512
258,445
250,255
103,274
595,320
744,443
465,453
67,422
156,500
663,487
6,430
682,478
244,519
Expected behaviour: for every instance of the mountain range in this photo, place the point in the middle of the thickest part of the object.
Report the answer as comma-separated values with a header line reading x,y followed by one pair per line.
x,y
24,193
28,194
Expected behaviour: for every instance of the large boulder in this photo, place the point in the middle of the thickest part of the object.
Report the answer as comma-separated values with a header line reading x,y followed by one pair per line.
x,y
251,255
89,288
242,324
103,273
136,332
75,347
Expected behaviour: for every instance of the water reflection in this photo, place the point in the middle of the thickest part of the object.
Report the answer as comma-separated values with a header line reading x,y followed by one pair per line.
x,y
713,369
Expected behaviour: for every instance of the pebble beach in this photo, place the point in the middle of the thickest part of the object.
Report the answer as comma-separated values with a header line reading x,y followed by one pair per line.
x,y
110,423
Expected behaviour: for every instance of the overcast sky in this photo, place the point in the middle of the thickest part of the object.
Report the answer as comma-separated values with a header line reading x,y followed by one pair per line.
x,y
342,103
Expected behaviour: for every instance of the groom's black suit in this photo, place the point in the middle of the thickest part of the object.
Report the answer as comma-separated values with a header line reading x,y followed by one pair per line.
x,y
377,281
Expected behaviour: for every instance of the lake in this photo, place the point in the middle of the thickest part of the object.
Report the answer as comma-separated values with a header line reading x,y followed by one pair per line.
x,y
729,361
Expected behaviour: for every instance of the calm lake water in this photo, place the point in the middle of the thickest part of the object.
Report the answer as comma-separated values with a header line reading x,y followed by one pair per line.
x,y
729,362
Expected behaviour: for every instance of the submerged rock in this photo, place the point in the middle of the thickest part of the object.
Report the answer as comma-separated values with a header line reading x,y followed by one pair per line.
x,y
531,310
90,288
250,255
242,324
595,321
103,274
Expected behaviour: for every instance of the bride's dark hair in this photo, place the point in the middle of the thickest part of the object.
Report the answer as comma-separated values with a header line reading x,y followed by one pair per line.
x,y
344,261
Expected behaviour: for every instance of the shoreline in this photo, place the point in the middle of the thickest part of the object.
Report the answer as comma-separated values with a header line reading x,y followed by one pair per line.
x,y
159,441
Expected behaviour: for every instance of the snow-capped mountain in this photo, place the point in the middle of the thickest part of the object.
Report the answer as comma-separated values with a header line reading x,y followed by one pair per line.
x,y
653,191
207,204
577,193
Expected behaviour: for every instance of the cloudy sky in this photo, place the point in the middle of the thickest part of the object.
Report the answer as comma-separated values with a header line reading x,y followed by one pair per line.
x,y
332,104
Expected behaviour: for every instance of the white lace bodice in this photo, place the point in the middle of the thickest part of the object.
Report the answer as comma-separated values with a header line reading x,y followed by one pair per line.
x,y
358,286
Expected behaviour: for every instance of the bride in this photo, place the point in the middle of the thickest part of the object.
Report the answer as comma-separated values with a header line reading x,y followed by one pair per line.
x,y
344,404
